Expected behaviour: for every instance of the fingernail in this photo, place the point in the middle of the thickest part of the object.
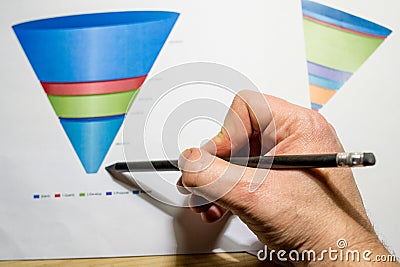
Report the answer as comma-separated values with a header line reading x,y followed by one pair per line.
x,y
184,157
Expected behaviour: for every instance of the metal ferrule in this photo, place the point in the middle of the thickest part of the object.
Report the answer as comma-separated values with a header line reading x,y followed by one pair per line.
x,y
350,159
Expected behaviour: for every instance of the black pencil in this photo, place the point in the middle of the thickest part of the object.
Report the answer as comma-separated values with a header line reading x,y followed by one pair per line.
x,y
342,159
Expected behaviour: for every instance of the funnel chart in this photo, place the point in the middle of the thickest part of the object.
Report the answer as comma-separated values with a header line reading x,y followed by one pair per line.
x,y
85,86
337,45
91,67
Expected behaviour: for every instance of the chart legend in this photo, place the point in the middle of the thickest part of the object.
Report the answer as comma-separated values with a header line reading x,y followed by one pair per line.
x,y
337,44
89,194
91,67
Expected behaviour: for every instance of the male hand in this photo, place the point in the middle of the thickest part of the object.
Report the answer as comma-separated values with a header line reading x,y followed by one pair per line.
x,y
290,209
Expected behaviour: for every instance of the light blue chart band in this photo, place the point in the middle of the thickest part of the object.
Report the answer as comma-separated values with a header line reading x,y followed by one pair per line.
x,y
91,138
325,83
316,106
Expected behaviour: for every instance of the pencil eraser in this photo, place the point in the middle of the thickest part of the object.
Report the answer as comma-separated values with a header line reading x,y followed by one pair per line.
x,y
369,159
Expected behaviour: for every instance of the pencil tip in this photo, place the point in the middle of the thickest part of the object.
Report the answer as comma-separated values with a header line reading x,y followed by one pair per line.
x,y
110,168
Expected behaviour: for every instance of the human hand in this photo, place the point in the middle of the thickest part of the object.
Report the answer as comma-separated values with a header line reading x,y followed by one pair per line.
x,y
291,209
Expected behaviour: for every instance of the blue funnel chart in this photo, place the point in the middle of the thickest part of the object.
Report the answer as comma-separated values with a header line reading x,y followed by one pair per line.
x,y
91,67
337,45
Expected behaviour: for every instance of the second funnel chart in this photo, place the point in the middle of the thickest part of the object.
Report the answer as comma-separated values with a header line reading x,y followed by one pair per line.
x,y
91,68
337,44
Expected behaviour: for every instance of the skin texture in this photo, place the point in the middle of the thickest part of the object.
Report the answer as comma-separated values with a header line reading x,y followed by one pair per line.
x,y
289,209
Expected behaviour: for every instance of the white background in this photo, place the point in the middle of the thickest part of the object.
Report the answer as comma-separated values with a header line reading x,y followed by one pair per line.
x,y
262,41
366,116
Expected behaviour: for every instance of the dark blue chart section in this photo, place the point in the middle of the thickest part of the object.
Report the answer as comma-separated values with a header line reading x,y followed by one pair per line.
x,y
95,47
342,19
91,138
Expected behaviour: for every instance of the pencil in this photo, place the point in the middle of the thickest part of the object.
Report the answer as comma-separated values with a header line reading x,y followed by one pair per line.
x,y
343,159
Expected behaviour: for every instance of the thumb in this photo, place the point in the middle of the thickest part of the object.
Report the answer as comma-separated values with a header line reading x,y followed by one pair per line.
x,y
220,144
248,127
217,180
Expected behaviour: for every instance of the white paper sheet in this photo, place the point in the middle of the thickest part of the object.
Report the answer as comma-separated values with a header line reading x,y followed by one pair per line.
x,y
366,117
262,40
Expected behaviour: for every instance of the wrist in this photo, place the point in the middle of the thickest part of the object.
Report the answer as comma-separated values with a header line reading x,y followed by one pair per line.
x,y
361,248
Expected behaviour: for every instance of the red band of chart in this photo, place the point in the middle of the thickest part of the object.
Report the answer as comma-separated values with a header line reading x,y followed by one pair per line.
x,y
343,28
89,88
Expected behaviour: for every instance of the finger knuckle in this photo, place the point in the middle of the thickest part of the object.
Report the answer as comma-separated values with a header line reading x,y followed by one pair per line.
x,y
190,179
317,122
192,169
320,131
245,96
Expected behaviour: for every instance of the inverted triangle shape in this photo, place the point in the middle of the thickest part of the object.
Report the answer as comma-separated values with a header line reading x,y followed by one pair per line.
x,y
337,45
92,138
91,67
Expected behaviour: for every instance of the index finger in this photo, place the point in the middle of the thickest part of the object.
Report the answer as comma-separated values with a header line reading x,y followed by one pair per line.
x,y
247,118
